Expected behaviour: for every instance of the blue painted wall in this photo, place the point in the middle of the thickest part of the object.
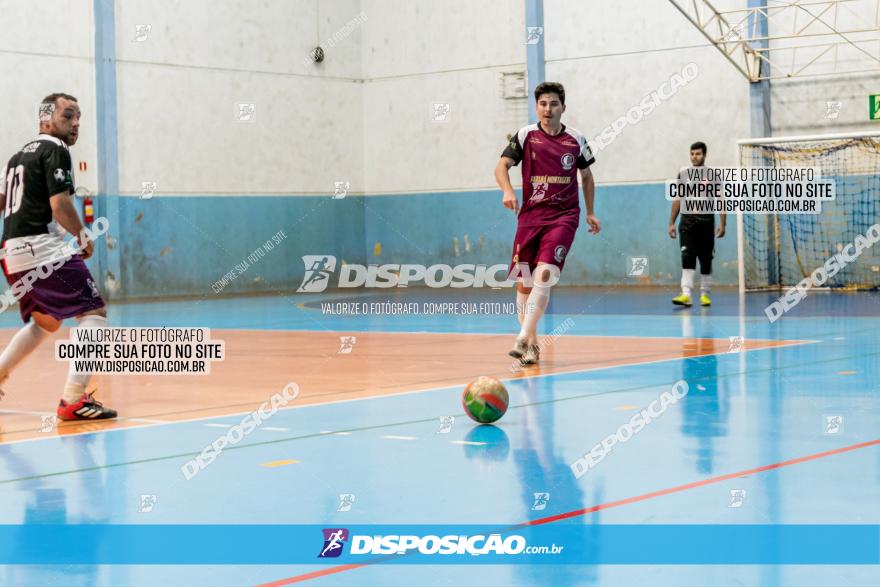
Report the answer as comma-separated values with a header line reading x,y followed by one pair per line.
x,y
180,246
420,229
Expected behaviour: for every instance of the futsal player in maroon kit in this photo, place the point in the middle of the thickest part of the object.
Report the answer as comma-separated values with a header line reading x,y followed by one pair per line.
x,y
552,156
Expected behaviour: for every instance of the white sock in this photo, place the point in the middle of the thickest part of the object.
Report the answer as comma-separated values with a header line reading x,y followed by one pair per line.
x,y
705,283
521,301
535,306
77,382
687,281
22,344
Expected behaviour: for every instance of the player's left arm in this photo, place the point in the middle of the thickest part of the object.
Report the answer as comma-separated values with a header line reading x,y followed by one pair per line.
x,y
64,213
589,186
3,189
584,160
59,184
722,227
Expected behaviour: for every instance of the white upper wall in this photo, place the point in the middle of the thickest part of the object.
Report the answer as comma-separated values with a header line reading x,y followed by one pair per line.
x,y
46,48
272,36
610,55
607,54
423,37
364,115
419,54
180,90
55,27
812,106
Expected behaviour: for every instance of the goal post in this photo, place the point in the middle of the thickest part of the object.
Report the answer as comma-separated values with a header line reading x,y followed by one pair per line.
x,y
778,250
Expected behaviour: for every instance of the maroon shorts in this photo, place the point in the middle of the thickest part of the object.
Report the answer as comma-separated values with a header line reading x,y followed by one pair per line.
x,y
543,244
67,292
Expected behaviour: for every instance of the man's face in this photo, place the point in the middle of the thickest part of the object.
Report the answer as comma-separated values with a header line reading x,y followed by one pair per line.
x,y
64,122
549,109
697,157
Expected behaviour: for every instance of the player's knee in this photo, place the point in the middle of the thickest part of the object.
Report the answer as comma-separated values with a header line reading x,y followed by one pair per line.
x,y
523,289
546,275
47,323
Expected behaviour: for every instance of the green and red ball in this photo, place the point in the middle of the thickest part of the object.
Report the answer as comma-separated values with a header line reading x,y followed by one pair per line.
x,y
485,400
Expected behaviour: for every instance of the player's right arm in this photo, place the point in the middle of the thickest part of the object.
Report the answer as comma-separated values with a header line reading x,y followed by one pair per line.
x,y
511,156
676,206
673,214
502,176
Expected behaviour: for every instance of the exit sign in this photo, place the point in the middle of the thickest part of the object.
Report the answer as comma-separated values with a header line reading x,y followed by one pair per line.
x,y
874,107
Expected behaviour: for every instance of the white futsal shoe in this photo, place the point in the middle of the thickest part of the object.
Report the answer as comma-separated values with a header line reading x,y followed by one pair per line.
x,y
532,355
520,348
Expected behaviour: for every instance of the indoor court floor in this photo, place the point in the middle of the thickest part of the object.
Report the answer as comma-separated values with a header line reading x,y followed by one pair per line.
x,y
751,443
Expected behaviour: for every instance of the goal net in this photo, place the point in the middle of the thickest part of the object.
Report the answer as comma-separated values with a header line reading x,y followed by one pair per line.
x,y
779,250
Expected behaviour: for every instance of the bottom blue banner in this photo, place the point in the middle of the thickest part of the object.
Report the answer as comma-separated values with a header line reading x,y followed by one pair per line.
x,y
559,543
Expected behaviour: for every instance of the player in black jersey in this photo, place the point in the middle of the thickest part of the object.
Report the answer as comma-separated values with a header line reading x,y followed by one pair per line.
x,y
50,283
697,239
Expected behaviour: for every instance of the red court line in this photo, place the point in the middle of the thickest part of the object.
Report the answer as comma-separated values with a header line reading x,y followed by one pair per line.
x,y
605,506
313,575
695,484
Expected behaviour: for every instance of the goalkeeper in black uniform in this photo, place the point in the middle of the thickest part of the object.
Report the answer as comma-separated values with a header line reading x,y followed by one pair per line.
x,y
697,238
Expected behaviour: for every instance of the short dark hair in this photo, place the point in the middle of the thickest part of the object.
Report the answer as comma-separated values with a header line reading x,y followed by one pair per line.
x,y
550,88
699,145
52,98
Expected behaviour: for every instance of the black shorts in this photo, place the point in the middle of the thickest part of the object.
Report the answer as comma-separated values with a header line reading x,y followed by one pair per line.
x,y
697,238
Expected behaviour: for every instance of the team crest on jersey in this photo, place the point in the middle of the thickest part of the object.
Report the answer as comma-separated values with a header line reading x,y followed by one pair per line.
x,y
567,161
30,147
58,175
559,253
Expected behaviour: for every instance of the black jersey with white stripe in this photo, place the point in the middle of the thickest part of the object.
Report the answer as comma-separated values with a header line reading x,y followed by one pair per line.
x,y
40,170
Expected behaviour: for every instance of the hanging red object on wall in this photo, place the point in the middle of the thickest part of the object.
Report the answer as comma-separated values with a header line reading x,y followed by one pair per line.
x,y
88,210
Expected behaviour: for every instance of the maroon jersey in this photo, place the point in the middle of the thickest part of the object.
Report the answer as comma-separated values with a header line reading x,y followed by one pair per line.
x,y
550,165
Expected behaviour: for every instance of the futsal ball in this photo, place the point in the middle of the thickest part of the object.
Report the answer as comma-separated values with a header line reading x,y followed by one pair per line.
x,y
485,400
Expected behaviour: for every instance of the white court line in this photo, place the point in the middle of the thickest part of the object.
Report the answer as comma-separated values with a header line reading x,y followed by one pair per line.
x,y
395,437
274,429
218,425
414,391
26,412
468,442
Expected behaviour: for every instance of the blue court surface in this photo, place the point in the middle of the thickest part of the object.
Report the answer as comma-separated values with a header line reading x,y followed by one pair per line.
x,y
764,439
